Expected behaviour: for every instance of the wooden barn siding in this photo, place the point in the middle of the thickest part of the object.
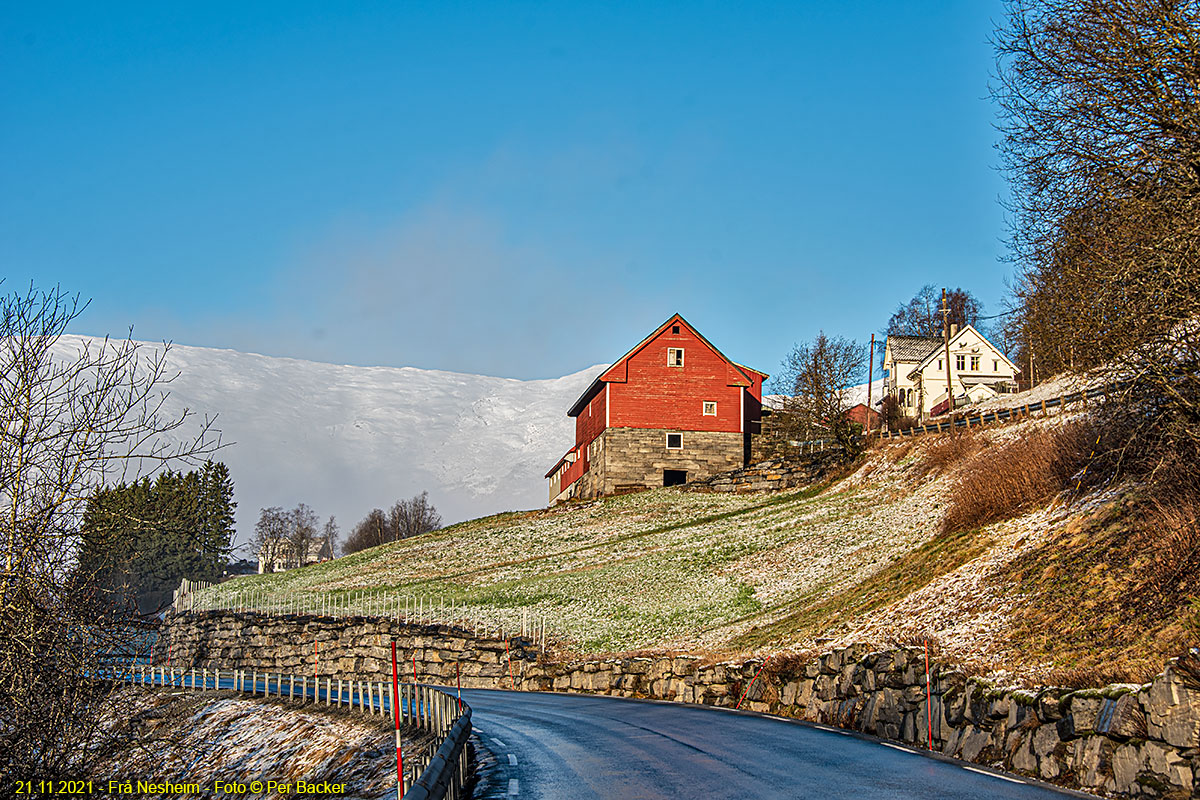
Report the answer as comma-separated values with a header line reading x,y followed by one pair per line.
x,y
658,396
590,422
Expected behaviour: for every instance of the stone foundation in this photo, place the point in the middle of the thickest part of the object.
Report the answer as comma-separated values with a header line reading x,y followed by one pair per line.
x,y
635,458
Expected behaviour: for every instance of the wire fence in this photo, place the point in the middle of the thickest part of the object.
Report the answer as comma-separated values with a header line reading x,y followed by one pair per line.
x,y
436,769
499,623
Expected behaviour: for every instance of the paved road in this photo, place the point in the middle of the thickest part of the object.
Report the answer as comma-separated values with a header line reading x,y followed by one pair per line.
x,y
573,747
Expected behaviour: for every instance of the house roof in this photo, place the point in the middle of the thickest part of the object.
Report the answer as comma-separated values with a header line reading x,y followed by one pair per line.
x,y
558,463
962,331
592,390
913,348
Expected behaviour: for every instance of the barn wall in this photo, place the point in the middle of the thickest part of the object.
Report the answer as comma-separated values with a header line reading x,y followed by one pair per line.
x,y
659,396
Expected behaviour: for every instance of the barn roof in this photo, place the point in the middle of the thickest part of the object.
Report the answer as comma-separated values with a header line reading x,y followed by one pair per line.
x,y
592,390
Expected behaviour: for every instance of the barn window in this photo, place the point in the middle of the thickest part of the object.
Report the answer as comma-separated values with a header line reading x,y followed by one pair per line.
x,y
674,441
674,329
674,356
710,408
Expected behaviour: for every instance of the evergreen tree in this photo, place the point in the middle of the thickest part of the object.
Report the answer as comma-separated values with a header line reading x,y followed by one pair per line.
x,y
141,539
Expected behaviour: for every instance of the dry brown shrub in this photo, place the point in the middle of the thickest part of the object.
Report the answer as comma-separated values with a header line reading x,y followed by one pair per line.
x,y
950,450
1170,538
1001,482
788,665
1098,676
896,452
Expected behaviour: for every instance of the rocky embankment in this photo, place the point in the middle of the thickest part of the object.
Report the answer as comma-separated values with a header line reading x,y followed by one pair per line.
x,y
184,740
1121,740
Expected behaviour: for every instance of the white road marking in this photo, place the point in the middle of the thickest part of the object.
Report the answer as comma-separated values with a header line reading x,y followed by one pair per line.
x,y
512,760
994,775
514,787
497,741
895,746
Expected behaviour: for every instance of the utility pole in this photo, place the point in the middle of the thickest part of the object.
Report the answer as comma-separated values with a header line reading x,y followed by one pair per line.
x,y
870,375
946,339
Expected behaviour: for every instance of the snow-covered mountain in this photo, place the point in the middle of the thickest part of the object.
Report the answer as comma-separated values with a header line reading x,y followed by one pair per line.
x,y
348,439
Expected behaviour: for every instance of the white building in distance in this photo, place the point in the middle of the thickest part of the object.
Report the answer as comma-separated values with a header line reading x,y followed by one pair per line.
x,y
915,371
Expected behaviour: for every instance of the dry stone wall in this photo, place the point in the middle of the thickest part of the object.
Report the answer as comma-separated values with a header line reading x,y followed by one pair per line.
x,y
1121,740
771,474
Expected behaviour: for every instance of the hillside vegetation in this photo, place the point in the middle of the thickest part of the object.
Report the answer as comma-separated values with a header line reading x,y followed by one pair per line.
x,y
882,554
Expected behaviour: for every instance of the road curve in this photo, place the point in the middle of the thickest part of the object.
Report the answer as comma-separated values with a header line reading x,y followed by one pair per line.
x,y
576,747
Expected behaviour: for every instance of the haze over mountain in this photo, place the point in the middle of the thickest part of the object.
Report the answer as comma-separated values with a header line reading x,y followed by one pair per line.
x,y
347,439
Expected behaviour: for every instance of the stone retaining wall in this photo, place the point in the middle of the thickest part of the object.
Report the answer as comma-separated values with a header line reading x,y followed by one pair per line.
x,y
771,474
1121,740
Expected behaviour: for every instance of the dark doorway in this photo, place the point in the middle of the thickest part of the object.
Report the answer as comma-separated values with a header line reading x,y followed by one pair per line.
x,y
674,477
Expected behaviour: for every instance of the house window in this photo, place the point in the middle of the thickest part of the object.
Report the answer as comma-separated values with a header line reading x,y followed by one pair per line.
x,y
960,363
995,365
674,329
674,441
939,365
974,363
710,408
674,356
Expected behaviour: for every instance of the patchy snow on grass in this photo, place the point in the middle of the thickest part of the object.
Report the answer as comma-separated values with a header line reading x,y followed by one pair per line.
x,y
188,738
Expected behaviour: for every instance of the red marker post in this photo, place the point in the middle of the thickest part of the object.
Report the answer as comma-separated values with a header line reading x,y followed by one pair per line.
x,y
746,691
396,715
928,696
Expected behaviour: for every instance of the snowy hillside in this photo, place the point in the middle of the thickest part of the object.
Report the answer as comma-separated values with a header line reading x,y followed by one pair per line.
x,y
348,439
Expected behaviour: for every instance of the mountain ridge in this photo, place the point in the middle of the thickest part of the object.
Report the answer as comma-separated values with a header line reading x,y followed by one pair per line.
x,y
345,439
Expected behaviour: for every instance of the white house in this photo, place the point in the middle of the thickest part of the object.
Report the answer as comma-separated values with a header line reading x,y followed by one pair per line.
x,y
915,371
281,555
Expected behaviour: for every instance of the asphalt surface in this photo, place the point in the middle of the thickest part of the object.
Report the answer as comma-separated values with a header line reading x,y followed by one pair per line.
x,y
574,747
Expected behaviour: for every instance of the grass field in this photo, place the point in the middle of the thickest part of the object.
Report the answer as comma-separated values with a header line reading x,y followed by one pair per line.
x,y
662,568
865,557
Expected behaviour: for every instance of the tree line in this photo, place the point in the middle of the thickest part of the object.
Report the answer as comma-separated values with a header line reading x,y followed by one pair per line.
x,y
140,539
292,538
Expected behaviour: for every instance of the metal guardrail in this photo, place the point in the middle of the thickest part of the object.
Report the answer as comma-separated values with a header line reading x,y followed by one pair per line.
x,y
436,771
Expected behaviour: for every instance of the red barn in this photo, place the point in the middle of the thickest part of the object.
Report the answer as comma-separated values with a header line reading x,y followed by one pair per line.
x,y
672,409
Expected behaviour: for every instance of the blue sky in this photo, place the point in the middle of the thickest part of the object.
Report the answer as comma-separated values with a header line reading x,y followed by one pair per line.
x,y
516,189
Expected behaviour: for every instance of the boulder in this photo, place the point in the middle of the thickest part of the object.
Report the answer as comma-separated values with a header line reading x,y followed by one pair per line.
x,y
1173,709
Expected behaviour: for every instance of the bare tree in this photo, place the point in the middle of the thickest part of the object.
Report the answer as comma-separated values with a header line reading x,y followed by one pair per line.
x,y
405,519
332,535
414,516
71,421
285,537
816,377
922,315
304,526
1100,115
271,538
